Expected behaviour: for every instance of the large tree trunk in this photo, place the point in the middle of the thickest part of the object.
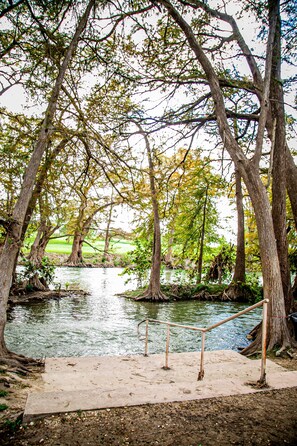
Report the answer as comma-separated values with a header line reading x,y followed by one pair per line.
x,y
278,334
279,159
239,271
76,256
36,194
14,233
154,289
275,120
37,252
34,255
291,178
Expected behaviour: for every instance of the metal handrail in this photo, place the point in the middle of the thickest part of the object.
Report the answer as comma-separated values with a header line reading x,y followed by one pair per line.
x,y
204,330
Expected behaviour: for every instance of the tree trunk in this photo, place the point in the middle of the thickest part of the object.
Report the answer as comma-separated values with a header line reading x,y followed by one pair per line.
x,y
107,232
154,292
291,178
76,257
169,254
36,194
34,255
239,271
279,167
44,233
83,228
37,253
294,289
14,234
200,259
278,334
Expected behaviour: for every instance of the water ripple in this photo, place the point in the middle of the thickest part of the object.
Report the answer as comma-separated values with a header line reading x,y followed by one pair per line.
x,y
103,323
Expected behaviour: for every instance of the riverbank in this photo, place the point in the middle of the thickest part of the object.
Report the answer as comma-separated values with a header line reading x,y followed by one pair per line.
x,y
42,296
116,260
266,418
205,292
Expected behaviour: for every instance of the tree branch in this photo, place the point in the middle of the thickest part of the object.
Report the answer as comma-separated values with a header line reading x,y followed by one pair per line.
x,y
10,8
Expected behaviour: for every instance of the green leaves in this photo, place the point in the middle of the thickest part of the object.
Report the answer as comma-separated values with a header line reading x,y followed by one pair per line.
x,y
45,270
140,260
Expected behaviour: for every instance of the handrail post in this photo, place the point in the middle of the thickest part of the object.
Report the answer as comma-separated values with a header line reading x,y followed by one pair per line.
x,y
262,380
264,303
201,372
166,367
146,338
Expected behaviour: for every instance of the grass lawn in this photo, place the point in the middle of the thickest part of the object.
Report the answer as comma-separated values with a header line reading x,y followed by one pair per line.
x,y
62,246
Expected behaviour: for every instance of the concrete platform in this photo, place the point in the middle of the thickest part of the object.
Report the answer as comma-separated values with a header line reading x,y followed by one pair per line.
x,y
89,383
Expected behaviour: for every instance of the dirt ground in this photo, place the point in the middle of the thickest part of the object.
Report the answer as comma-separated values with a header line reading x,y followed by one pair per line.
x,y
266,418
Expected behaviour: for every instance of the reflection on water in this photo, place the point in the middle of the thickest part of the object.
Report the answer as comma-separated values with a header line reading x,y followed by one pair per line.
x,y
105,324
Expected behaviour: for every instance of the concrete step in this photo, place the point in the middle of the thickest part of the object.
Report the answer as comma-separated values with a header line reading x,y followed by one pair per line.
x,y
89,383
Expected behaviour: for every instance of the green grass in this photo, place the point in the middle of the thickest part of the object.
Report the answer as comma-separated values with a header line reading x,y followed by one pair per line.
x,y
3,407
3,393
63,246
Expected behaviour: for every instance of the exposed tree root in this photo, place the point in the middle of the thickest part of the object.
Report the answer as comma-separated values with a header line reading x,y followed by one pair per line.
x,y
238,292
226,296
256,345
75,263
235,292
204,295
253,333
151,296
280,351
22,364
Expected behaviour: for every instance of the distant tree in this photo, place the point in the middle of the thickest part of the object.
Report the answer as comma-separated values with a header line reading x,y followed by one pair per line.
x,y
221,265
194,190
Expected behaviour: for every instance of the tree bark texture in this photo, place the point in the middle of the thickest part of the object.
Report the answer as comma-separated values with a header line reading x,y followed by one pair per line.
x,y
44,233
239,270
279,159
76,256
291,178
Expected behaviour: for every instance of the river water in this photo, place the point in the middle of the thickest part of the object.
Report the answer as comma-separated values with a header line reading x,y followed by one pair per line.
x,y
103,323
